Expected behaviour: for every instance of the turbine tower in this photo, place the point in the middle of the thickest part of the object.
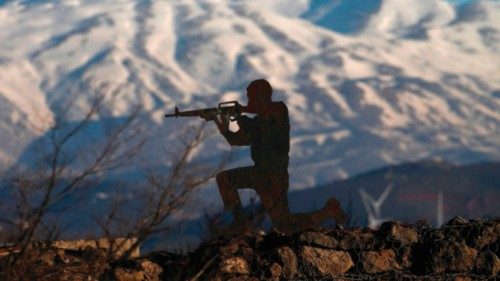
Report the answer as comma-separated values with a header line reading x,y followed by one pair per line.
x,y
440,209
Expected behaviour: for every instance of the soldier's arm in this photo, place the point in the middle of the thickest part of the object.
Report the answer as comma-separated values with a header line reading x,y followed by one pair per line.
x,y
239,138
242,136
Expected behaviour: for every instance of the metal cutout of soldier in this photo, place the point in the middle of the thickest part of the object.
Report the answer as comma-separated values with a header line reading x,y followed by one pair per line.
x,y
268,135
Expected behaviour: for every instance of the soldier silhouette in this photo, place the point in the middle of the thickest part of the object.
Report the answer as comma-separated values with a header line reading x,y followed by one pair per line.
x,y
268,135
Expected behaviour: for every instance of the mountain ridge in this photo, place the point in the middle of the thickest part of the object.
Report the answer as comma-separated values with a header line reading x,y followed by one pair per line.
x,y
470,191
356,102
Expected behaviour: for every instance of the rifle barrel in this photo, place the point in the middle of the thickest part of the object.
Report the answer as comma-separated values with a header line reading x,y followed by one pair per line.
x,y
176,113
190,113
236,109
196,112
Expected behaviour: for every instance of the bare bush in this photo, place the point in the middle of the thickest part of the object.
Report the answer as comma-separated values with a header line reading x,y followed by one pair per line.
x,y
165,194
65,165
75,156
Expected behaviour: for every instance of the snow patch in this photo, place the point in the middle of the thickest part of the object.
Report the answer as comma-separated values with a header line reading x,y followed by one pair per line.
x,y
410,17
289,8
19,82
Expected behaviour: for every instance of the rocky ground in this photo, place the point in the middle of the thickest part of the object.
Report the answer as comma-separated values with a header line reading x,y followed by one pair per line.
x,y
459,250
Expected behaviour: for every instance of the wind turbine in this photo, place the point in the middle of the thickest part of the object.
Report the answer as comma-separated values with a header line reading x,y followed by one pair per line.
x,y
373,206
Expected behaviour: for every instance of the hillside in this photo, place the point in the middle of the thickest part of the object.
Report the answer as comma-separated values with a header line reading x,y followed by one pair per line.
x,y
396,87
471,191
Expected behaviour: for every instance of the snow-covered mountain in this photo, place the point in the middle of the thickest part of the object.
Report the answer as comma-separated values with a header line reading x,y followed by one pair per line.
x,y
366,85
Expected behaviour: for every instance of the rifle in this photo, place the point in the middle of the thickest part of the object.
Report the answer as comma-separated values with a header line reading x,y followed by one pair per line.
x,y
230,108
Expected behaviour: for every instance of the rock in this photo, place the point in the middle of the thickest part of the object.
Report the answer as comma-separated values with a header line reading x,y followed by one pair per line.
x,y
173,265
234,265
243,278
230,249
483,234
463,259
247,253
118,246
494,247
93,254
126,274
488,263
456,233
453,257
462,278
422,227
142,270
379,261
275,271
357,239
422,224
66,258
151,270
327,263
396,231
318,239
457,221
216,277
289,262
237,247
47,258
403,256
273,240
400,238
